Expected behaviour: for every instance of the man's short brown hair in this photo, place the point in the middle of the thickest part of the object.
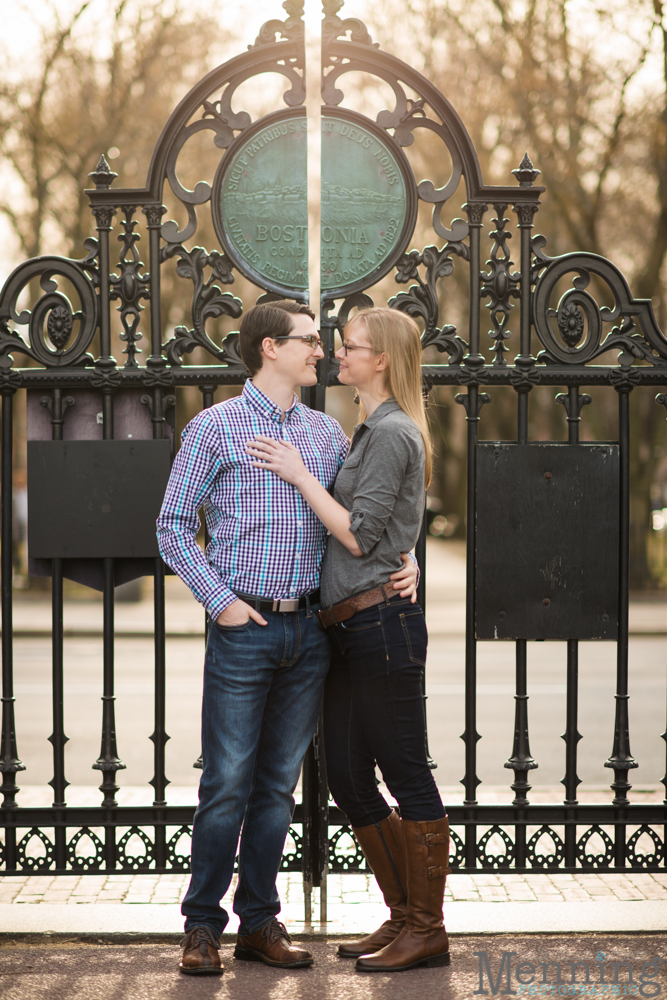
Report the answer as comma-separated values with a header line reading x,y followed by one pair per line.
x,y
271,319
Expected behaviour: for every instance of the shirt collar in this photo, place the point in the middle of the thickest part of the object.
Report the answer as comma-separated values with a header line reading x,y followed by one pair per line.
x,y
255,398
388,406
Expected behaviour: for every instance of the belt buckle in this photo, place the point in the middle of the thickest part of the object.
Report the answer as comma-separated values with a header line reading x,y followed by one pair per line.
x,y
285,606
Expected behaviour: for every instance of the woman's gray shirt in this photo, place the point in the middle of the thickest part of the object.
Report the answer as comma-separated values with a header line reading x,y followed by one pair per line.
x,y
382,485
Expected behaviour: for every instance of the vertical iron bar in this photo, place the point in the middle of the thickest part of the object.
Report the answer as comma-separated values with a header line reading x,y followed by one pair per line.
x,y
154,215
10,763
159,736
208,399
521,752
307,840
108,762
475,212
573,403
420,553
473,402
521,761
621,759
58,739
103,219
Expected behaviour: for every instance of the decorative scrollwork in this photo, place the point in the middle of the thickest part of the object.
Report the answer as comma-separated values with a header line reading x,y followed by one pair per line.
x,y
106,379
207,301
158,376
576,337
549,861
30,863
130,286
154,215
135,861
178,862
342,859
500,284
422,299
595,860
57,336
633,857
456,850
10,380
471,375
59,326
334,27
525,376
291,28
495,861
83,862
624,378
291,860
286,58
472,412
358,300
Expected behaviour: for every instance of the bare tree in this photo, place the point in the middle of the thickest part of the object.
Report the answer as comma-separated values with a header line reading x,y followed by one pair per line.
x,y
74,103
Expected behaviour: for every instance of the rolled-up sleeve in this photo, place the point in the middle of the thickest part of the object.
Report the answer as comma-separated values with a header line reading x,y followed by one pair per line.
x,y
387,459
194,471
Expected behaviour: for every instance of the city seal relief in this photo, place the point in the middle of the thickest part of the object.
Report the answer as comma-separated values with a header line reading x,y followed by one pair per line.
x,y
260,207
368,203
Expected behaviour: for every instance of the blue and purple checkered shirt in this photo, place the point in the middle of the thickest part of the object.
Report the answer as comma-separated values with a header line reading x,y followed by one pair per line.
x,y
265,539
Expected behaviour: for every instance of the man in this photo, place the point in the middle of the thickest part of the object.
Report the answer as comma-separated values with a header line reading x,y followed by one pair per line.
x,y
266,657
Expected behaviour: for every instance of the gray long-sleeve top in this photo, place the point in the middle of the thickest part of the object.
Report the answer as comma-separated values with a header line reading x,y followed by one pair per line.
x,y
382,485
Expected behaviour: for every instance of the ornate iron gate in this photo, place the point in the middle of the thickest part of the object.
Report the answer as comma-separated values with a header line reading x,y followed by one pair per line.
x,y
569,334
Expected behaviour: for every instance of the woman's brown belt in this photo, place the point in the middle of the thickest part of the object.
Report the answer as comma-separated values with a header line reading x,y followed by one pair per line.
x,y
358,602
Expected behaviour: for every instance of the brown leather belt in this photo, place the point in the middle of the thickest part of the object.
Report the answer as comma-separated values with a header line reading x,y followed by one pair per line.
x,y
358,602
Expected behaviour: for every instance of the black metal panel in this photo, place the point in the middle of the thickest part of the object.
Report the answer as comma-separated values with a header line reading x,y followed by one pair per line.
x,y
547,541
95,499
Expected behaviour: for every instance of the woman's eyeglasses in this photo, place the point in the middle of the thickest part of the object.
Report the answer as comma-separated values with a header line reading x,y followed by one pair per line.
x,y
355,347
311,339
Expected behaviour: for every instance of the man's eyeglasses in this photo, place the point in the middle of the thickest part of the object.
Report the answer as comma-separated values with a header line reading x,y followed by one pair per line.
x,y
311,339
355,347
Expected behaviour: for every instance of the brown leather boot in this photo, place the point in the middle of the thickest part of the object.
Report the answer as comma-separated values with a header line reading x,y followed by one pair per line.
x,y
382,844
272,945
200,953
423,940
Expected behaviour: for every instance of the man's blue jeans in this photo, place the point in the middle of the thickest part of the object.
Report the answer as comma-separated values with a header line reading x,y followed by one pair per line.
x,y
262,693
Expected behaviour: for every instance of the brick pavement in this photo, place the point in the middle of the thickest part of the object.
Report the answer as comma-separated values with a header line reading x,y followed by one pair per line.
x,y
348,889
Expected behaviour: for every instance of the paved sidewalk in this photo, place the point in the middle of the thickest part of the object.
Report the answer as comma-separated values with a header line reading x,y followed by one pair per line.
x,y
348,890
148,905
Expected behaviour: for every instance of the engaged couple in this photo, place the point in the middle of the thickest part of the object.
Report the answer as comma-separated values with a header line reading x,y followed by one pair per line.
x,y
310,591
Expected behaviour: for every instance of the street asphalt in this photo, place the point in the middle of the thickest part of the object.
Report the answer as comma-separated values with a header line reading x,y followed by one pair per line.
x,y
94,970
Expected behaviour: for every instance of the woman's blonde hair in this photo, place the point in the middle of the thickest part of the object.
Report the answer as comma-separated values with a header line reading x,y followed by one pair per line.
x,y
397,336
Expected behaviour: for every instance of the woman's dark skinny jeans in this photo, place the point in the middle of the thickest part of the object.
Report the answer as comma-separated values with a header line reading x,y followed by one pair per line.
x,y
374,714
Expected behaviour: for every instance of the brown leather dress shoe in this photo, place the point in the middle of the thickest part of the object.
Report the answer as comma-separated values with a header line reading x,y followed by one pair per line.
x,y
272,945
200,953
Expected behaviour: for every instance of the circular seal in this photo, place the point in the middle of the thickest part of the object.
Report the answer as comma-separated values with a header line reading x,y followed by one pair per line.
x,y
260,203
369,203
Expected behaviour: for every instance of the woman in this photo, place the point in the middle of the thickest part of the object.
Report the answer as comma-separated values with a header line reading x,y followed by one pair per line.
x,y
373,706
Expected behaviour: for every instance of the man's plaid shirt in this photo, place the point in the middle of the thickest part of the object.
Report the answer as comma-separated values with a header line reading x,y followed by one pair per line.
x,y
265,539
